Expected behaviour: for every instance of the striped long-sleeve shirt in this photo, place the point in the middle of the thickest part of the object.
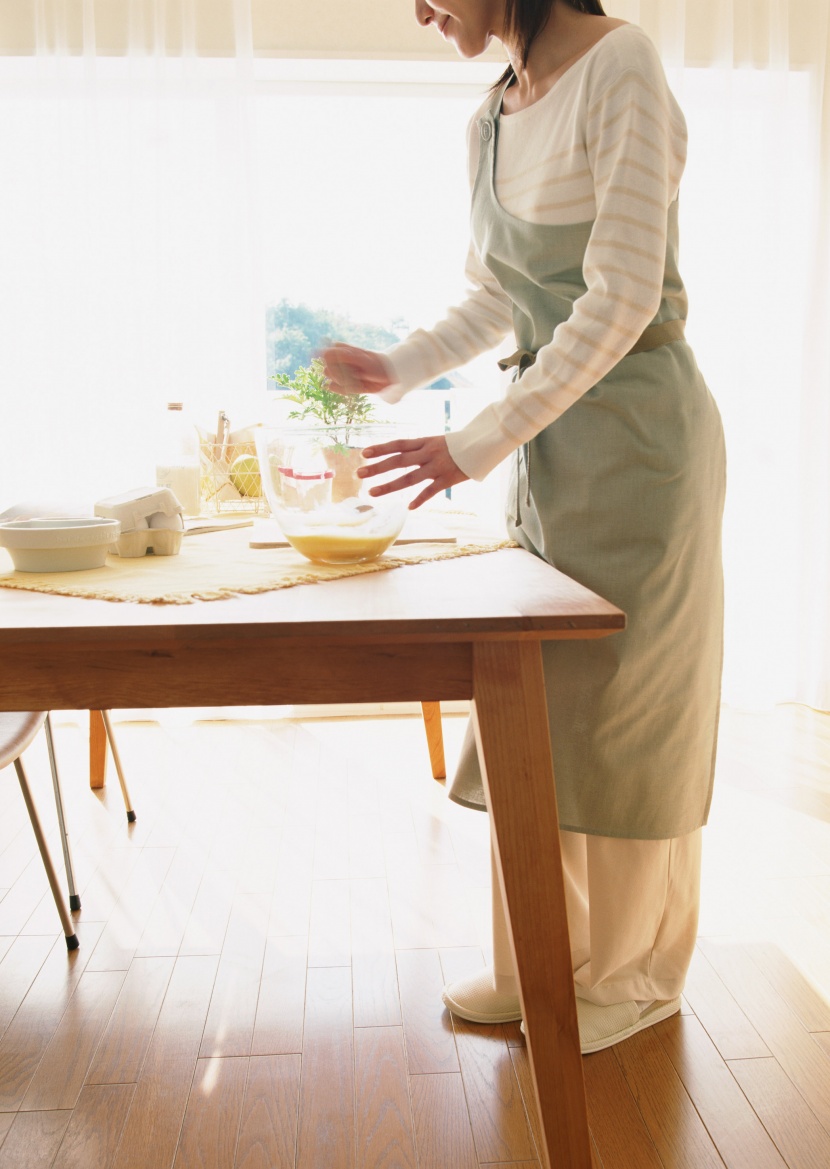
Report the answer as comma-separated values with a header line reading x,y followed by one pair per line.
x,y
606,145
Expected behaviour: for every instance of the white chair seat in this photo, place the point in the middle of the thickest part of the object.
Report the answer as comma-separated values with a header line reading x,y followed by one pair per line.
x,y
17,729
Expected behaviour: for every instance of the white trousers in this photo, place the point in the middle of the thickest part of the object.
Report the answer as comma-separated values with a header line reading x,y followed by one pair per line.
x,y
632,917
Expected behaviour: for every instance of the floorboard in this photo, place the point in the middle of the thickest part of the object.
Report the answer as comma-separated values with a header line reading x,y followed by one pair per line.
x,y
214,1110
327,1120
384,1132
268,1126
32,1139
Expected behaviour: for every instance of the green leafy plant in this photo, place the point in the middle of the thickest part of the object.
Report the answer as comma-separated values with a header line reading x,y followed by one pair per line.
x,y
310,392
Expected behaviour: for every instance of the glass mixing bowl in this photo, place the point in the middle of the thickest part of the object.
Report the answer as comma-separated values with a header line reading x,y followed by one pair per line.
x,y
309,476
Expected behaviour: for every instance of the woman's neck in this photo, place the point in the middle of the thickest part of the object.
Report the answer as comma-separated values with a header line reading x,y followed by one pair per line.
x,y
566,36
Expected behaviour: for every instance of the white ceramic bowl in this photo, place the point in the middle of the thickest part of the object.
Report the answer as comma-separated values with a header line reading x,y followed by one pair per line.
x,y
324,510
54,545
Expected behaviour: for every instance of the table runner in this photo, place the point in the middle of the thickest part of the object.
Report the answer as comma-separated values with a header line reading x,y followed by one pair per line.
x,y
217,565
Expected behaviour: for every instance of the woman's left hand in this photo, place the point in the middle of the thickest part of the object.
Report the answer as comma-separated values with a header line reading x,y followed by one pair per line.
x,y
431,458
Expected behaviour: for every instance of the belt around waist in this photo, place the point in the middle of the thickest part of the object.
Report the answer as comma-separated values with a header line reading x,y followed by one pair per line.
x,y
651,338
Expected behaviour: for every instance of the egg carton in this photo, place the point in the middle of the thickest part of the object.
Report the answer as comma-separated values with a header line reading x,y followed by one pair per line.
x,y
151,521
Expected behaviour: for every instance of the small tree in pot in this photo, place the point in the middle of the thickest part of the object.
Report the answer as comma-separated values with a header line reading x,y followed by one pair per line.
x,y
340,415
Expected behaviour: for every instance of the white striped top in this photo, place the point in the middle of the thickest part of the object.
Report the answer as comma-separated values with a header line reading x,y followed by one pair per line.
x,y
606,144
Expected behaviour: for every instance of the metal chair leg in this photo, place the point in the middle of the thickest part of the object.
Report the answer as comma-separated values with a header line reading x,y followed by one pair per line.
x,y
74,898
66,921
131,817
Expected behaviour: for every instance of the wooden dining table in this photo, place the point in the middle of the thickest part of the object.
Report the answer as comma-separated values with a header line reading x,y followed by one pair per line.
x,y
468,628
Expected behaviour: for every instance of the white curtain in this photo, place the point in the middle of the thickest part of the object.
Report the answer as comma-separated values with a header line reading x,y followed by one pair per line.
x,y
133,208
128,248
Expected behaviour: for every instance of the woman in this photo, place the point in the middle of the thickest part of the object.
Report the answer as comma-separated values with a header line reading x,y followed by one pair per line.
x,y
618,477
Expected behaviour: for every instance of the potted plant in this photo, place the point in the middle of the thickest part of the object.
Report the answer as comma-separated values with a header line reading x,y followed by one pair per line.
x,y
339,416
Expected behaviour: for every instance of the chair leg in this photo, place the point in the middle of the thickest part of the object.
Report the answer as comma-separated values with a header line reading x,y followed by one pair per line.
x,y
74,898
435,738
97,750
131,817
66,921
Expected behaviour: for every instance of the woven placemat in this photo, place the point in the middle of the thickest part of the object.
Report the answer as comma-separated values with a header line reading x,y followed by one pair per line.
x,y
217,565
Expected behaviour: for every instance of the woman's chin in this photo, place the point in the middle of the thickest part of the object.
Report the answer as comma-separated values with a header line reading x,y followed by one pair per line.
x,y
470,51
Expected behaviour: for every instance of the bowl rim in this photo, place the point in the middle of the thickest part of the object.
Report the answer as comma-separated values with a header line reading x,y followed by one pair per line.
x,y
336,428
50,534
56,523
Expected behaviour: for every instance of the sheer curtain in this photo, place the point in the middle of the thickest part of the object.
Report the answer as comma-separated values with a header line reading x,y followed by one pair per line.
x,y
128,250
133,208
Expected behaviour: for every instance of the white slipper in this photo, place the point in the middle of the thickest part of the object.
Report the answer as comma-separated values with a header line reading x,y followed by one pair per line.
x,y
601,1027
475,998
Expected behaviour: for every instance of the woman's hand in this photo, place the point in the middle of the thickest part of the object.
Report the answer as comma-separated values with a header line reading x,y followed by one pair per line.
x,y
430,456
356,371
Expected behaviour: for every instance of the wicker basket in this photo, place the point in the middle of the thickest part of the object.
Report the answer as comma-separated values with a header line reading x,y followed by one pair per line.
x,y
229,480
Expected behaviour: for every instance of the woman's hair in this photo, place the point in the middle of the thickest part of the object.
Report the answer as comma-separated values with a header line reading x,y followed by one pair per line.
x,y
525,19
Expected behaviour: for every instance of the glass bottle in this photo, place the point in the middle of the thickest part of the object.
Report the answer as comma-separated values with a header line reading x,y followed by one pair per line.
x,y
177,458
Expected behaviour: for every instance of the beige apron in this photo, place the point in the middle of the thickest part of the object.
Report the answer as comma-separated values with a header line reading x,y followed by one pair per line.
x,y
624,493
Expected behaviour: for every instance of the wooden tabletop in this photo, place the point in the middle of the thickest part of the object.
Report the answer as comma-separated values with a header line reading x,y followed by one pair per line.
x,y
505,593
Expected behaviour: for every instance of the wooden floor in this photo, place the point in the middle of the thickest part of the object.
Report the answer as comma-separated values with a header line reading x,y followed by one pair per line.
x,y
262,955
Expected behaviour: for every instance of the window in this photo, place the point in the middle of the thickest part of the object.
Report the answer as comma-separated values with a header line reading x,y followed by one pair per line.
x,y
155,222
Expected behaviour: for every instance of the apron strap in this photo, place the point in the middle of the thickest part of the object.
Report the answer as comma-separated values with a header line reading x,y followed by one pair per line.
x,y
656,335
651,338
522,358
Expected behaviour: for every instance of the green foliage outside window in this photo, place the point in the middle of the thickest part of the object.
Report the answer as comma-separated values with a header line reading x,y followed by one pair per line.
x,y
295,332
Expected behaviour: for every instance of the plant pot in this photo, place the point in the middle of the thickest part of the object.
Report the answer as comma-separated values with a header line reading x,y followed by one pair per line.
x,y
344,462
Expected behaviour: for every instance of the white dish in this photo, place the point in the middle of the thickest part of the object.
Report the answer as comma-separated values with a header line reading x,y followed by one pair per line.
x,y
55,545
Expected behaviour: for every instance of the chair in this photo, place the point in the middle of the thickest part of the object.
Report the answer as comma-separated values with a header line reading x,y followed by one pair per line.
x,y
17,730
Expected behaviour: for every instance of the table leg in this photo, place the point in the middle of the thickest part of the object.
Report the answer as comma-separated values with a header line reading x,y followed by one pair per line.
x,y
435,738
97,749
511,723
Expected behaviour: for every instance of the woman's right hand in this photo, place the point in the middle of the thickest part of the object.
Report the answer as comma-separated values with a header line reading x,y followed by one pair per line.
x,y
356,371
